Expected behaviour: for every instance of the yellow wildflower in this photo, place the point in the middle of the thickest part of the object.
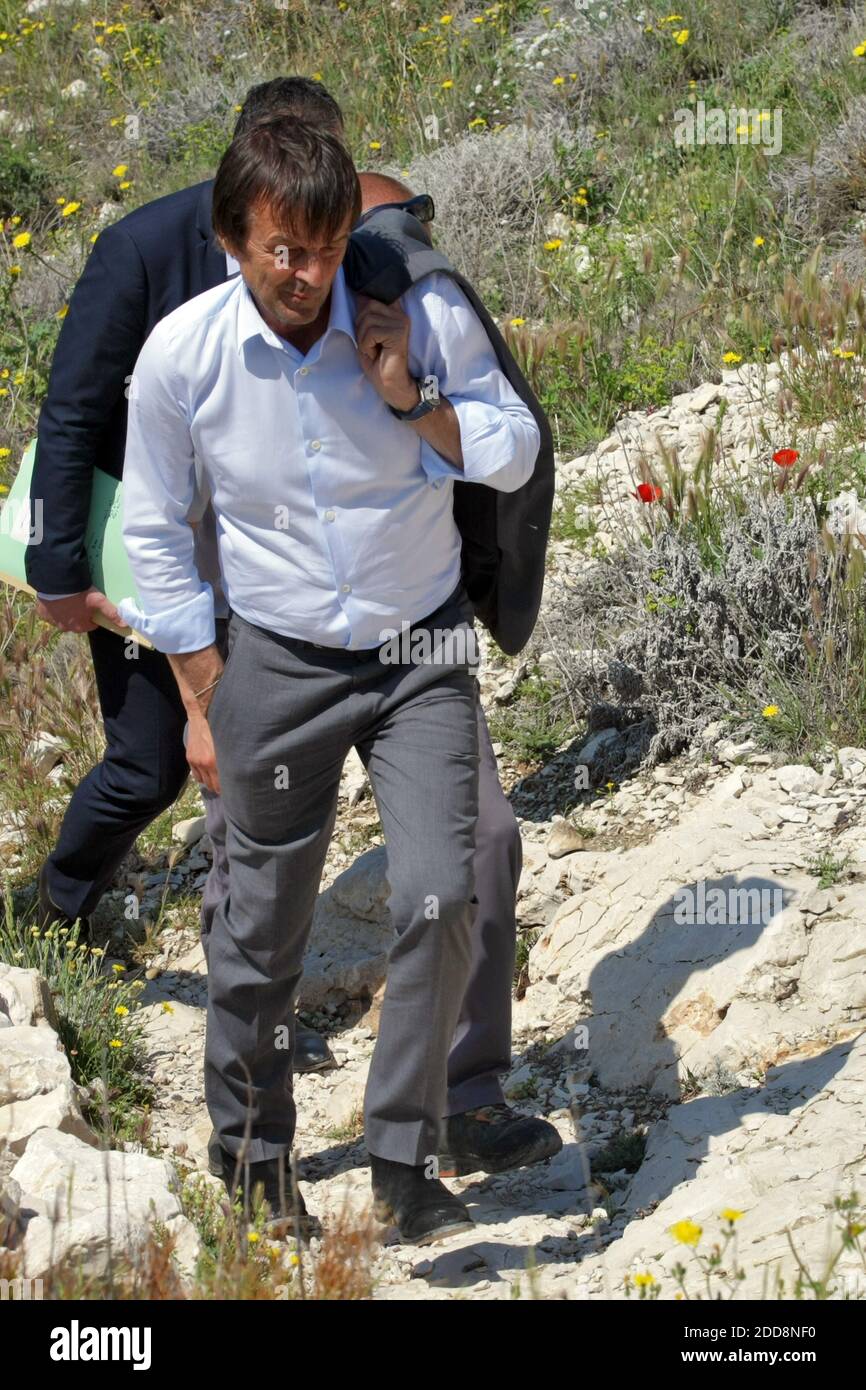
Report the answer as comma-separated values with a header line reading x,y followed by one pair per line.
x,y
115,1042
554,244
758,241
731,357
731,1214
770,711
447,83
375,144
119,170
682,36
21,240
686,1232
69,209
517,323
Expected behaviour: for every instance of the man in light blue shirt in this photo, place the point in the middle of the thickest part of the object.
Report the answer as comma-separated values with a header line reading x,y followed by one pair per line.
x,y
297,407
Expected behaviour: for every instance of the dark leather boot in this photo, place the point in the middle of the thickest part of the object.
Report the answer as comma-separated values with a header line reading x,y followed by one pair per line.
x,y
247,1181
422,1209
493,1139
311,1052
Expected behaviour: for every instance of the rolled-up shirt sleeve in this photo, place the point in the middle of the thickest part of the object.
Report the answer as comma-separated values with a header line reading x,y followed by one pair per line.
x,y
176,608
498,434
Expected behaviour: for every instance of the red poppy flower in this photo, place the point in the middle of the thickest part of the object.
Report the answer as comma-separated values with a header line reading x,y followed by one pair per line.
x,y
786,458
647,492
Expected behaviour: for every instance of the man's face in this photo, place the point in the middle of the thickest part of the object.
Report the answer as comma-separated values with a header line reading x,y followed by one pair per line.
x,y
289,272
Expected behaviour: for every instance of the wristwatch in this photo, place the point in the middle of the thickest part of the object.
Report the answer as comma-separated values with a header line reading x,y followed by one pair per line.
x,y
429,389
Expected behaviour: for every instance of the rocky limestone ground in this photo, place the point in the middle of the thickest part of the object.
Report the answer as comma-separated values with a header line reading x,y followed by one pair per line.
x,y
691,1014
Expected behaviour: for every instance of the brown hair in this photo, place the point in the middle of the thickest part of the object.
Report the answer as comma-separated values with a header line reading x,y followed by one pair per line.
x,y
297,96
303,173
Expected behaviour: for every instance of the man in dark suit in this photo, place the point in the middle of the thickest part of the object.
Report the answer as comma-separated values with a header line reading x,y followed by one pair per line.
x,y
141,269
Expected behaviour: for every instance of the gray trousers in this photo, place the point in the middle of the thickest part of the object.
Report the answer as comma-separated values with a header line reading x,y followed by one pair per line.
x,y
481,1047
284,717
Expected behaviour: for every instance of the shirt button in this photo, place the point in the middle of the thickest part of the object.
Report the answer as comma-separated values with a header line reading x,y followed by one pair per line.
x,y
316,444
345,588
329,516
305,371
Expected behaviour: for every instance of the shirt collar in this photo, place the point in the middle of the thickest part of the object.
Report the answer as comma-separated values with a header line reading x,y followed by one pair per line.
x,y
342,316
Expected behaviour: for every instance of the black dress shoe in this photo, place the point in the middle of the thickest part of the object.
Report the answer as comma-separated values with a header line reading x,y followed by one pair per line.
x,y
311,1051
49,915
249,1181
422,1209
493,1139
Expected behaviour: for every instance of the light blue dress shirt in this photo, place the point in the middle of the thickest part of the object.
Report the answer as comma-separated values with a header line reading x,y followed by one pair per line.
x,y
335,519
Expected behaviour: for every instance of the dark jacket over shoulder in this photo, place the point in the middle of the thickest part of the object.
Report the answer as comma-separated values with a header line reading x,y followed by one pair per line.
x,y
504,533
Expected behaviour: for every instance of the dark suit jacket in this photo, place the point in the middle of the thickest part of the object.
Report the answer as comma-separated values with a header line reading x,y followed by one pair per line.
x,y
154,260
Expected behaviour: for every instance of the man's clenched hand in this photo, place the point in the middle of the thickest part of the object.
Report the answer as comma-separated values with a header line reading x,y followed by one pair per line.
x,y
76,613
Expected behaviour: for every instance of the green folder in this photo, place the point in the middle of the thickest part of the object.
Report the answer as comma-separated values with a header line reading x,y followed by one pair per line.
x,y
20,525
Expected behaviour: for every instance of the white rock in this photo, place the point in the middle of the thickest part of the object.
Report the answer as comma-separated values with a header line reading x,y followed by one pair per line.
x,y
791,1144
564,839
189,832
33,1063
25,997
794,778
89,1202
567,1171
75,91
57,1110
354,781
730,752
351,935
45,751
518,1079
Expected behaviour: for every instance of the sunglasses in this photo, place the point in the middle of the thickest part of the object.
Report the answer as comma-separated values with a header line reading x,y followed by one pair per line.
x,y
421,207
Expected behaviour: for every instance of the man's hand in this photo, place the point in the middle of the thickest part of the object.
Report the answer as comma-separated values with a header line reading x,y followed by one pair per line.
x,y
201,754
382,331
197,675
76,613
